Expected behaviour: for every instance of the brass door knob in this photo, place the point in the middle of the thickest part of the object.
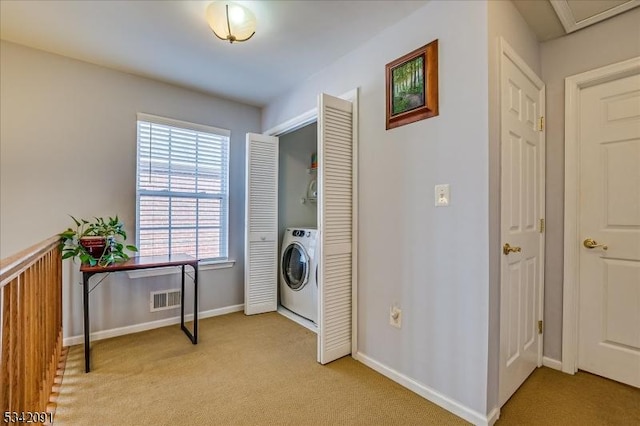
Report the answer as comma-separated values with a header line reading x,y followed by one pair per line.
x,y
506,249
590,243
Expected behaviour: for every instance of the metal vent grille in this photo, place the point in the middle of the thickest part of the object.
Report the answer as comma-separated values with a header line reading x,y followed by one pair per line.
x,y
164,299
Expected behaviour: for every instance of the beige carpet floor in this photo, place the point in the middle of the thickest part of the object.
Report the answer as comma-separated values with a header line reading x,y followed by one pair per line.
x,y
261,370
550,397
245,370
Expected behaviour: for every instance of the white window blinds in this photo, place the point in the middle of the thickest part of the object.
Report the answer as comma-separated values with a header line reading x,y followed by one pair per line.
x,y
182,188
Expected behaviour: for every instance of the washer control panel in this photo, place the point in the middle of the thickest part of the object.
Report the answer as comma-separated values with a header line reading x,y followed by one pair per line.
x,y
301,233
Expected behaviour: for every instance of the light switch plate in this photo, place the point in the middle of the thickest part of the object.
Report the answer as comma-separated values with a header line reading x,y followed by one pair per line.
x,y
442,195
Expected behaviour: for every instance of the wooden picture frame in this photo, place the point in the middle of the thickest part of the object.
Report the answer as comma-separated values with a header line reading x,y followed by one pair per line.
x,y
412,86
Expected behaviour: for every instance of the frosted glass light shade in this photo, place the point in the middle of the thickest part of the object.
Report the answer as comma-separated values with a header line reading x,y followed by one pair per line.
x,y
231,21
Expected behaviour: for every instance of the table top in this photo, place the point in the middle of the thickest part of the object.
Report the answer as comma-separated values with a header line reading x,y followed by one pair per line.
x,y
143,262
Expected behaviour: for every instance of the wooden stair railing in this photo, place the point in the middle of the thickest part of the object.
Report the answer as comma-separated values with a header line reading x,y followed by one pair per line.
x,y
31,284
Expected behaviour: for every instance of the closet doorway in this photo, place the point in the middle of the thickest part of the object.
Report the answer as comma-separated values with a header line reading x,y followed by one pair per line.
x,y
297,226
336,219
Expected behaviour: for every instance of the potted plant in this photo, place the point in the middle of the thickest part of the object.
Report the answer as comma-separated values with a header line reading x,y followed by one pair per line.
x,y
100,242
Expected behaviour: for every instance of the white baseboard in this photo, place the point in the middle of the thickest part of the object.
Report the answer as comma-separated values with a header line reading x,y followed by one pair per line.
x,y
121,331
432,395
493,416
552,363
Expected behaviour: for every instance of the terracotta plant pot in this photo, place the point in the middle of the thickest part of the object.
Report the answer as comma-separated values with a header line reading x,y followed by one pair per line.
x,y
94,245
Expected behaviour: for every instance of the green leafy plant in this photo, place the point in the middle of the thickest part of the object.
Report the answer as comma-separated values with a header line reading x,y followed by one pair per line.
x,y
100,242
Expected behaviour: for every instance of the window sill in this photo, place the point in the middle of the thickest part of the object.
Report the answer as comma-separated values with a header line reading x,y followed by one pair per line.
x,y
202,266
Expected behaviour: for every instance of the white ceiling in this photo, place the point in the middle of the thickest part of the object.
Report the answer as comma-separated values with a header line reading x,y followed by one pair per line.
x,y
171,41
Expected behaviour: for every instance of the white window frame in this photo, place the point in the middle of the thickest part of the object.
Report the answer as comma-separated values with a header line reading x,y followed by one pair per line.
x,y
222,261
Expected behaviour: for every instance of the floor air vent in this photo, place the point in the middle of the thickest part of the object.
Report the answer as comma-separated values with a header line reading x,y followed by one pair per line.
x,y
164,299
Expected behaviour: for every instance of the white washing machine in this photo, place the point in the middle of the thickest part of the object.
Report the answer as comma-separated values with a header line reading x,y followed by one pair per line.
x,y
298,272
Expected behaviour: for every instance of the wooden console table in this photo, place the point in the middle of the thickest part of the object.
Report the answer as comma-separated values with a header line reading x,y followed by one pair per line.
x,y
136,263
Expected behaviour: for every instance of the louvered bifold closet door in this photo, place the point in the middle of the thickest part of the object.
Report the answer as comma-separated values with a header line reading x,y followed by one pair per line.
x,y
261,228
335,140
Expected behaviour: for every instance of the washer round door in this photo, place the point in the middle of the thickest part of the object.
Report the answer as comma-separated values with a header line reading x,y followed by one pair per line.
x,y
295,266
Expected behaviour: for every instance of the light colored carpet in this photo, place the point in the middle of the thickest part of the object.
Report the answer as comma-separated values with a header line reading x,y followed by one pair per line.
x,y
245,370
261,370
550,397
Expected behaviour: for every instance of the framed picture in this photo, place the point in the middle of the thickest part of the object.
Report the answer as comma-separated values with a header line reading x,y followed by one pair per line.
x,y
412,86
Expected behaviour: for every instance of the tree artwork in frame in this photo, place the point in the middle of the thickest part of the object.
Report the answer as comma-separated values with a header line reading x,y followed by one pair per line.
x,y
412,86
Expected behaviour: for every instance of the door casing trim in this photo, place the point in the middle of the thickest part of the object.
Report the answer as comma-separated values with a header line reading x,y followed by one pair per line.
x,y
571,286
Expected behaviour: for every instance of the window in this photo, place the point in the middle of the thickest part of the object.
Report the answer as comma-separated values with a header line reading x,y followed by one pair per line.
x,y
182,189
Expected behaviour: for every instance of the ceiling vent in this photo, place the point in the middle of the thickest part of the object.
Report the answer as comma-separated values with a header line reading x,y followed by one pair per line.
x,y
575,15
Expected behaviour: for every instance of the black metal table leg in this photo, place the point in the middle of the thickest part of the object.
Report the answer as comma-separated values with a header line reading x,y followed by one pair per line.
x,y
182,302
85,302
195,304
193,337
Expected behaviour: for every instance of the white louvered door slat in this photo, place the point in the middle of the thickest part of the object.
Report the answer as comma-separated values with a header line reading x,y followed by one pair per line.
x,y
335,189
261,213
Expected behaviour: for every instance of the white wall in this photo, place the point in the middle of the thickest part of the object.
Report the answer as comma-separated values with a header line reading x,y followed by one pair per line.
x,y
504,21
605,43
432,261
294,160
68,146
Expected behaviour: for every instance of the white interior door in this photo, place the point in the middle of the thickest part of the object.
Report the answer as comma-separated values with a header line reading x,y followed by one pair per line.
x,y
522,211
609,280
335,220
261,228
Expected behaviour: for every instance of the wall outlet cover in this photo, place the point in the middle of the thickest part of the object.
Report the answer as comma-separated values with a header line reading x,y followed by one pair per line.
x,y
442,195
395,316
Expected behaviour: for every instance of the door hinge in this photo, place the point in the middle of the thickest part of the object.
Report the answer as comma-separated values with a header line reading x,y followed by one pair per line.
x,y
541,226
540,327
541,124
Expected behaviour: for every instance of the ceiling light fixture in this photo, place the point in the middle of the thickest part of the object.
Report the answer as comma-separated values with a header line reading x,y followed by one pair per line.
x,y
230,21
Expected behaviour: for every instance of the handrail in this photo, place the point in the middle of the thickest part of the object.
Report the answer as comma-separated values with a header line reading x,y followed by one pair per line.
x,y
14,265
31,340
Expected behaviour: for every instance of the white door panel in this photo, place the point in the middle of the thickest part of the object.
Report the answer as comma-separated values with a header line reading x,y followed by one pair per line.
x,y
335,219
522,207
609,280
261,215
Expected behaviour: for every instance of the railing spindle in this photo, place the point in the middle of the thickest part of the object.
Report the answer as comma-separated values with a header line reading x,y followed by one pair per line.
x,y
31,345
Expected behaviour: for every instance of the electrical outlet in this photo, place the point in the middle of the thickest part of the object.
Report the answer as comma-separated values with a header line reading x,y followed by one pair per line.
x,y
442,195
395,316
